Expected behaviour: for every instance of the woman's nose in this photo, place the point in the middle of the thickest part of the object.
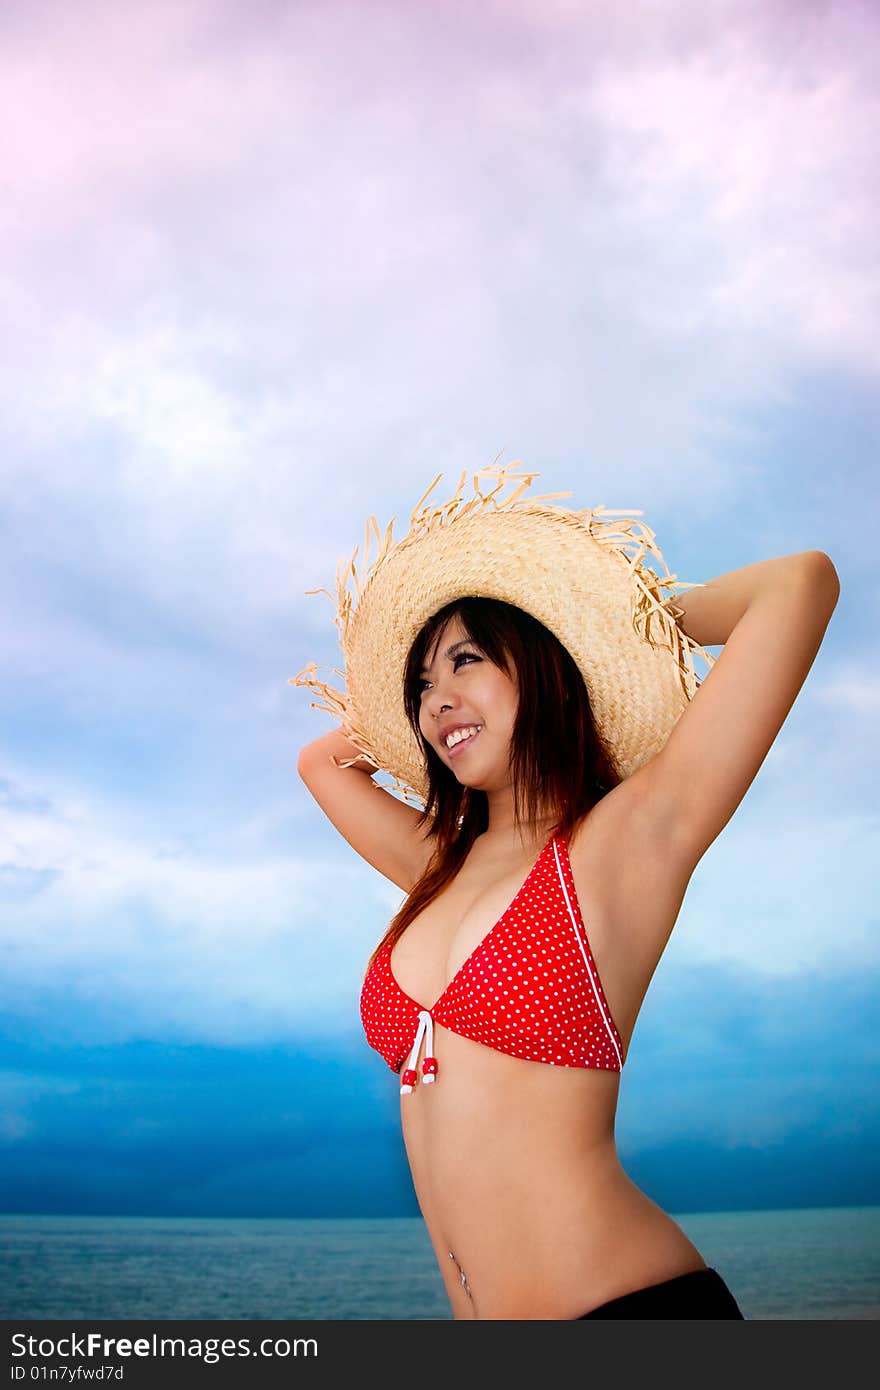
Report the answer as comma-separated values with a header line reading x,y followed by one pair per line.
x,y
438,700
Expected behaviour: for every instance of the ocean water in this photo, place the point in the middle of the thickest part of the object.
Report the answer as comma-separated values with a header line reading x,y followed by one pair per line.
x,y
822,1263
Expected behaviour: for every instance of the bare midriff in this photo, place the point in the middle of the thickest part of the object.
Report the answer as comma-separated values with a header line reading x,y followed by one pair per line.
x,y
528,1208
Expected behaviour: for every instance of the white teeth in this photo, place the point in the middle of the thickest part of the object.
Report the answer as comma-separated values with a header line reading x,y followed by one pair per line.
x,y
460,734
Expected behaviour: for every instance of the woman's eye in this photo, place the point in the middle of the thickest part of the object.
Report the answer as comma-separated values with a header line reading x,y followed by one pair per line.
x,y
461,656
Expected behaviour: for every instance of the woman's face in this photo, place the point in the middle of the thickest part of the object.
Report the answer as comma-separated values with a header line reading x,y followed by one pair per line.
x,y
460,686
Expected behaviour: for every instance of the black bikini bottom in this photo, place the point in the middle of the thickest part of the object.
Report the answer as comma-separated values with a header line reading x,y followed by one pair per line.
x,y
701,1293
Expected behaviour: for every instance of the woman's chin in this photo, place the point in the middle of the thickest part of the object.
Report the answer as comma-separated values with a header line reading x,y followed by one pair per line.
x,y
470,780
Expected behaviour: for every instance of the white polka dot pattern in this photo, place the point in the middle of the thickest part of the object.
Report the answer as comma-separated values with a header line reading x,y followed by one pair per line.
x,y
530,988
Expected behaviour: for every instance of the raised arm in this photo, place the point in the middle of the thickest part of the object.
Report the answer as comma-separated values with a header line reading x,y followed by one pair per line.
x,y
771,618
383,829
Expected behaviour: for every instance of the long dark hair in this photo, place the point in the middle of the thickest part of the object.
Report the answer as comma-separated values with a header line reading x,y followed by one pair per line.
x,y
559,763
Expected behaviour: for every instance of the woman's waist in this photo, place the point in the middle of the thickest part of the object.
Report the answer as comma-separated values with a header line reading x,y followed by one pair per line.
x,y
491,1169
554,1243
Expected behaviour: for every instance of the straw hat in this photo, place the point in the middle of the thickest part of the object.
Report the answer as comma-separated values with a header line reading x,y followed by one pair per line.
x,y
580,573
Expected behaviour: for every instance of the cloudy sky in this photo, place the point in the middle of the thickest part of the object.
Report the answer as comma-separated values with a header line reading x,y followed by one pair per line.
x,y
268,268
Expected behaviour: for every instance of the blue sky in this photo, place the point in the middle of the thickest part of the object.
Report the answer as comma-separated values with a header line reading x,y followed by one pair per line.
x,y
268,270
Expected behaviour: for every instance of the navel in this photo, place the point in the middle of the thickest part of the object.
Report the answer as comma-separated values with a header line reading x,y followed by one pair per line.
x,y
463,1277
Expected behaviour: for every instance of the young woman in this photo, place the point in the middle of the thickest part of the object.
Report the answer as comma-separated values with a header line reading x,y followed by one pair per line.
x,y
505,663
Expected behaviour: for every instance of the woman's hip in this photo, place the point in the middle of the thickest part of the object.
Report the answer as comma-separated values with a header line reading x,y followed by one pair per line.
x,y
701,1293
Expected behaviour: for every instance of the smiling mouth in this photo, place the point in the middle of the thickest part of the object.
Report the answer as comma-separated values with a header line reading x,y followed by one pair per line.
x,y
462,744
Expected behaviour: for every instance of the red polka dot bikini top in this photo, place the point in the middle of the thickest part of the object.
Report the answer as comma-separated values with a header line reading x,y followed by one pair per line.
x,y
530,988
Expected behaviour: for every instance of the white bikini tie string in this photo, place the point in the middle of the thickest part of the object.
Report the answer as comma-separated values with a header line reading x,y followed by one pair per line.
x,y
410,1076
429,1065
